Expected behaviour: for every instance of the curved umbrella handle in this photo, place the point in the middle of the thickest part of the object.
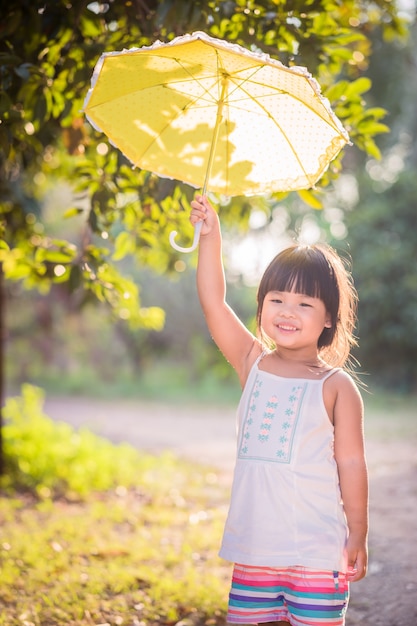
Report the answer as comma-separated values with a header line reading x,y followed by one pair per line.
x,y
197,231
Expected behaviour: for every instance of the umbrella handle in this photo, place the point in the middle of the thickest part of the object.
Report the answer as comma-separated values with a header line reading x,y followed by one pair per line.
x,y
197,231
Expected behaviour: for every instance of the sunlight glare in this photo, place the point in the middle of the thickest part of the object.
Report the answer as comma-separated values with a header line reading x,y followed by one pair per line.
x,y
309,232
257,219
59,270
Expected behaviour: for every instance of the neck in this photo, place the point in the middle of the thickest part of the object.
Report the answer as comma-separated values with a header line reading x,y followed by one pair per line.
x,y
309,358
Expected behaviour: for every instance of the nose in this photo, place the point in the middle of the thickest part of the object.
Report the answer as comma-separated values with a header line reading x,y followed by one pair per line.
x,y
286,310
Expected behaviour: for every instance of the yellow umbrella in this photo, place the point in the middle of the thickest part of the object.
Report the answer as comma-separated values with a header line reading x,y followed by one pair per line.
x,y
215,115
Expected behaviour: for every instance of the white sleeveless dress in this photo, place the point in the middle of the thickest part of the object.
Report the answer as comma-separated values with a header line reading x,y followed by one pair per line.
x,y
286,506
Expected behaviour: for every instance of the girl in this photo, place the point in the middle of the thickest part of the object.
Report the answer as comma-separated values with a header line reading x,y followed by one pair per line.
x,y
298,518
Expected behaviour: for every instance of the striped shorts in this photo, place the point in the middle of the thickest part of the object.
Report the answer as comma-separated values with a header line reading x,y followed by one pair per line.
x,y
298,595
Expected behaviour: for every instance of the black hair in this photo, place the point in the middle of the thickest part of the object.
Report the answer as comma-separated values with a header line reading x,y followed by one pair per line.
x,y
317,271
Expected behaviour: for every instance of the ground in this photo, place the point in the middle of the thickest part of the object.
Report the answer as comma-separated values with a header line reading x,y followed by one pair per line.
x,y
388,595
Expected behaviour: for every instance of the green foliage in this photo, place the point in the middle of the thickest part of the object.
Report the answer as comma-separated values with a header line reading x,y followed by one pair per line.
x,y
147,554
53,346
363,124
33,264
47,54
383,246
112,535
53,459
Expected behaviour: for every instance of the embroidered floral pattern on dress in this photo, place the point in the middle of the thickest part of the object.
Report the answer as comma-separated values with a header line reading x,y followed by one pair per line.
x,y
291,413
269,429
249,420
269,414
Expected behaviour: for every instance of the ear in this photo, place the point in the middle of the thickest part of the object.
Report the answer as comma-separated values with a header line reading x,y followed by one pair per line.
x,y
328,322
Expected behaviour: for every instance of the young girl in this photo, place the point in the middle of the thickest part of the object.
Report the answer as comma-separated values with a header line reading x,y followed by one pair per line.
x,y
298,519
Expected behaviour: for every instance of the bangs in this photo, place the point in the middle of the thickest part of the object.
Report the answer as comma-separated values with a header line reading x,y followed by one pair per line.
x,y
307,271
303,280
302,270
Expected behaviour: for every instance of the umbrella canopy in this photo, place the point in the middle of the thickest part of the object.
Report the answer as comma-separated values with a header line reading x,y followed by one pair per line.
x,y
215,115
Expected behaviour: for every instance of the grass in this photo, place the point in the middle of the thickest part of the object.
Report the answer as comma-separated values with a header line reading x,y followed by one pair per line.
x,y
179,384
130,547
389,415
126,557
103,535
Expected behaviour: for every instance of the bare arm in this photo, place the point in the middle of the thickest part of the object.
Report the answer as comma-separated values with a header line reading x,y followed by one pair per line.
x,y
353,476
237,344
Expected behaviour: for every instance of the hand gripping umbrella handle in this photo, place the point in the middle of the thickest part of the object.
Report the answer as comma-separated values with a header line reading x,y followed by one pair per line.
x,y
197,231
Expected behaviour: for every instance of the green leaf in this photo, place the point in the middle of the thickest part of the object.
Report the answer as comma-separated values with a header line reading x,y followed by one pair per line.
x,y
310,198
359,86
72,212
56,256
152,318
124,245
75,278
372,149
7,58
336,91
91,25
373,128
376,112
340,53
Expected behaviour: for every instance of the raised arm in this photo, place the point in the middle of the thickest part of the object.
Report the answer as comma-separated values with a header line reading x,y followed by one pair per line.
x,y
237,344
353,476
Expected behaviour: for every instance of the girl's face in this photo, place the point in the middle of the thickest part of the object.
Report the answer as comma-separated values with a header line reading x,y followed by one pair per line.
x,y
293,320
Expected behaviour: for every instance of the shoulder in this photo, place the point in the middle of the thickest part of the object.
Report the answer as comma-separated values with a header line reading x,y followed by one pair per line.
x,y
341,394
340,379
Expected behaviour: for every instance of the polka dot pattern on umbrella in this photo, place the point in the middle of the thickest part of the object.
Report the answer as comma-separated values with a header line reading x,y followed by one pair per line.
x,y
215,115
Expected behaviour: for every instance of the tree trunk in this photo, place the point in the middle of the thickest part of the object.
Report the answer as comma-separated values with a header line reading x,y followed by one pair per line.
x,y
2,342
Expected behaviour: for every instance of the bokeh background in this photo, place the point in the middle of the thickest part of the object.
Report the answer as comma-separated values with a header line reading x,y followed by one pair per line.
x,y
103,520
94,300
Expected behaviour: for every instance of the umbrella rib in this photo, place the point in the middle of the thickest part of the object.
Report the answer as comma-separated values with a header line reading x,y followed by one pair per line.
x,y
219,102
196,79
284,134
239,85
169,122
192,111
211,100
275,122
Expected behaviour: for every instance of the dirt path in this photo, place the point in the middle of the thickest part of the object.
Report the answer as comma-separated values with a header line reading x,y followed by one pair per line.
x,y
388,595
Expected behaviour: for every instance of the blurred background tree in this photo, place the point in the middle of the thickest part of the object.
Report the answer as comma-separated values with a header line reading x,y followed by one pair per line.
x,y
381,225
80,226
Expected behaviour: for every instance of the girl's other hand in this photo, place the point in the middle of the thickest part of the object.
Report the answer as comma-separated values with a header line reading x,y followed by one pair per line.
x,y
357,554
202,211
